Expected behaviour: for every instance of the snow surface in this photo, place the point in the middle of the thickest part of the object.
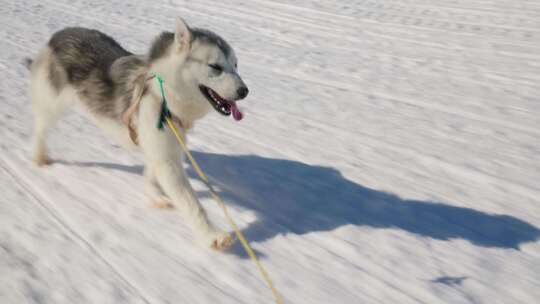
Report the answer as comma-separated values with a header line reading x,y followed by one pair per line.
x,y
390,154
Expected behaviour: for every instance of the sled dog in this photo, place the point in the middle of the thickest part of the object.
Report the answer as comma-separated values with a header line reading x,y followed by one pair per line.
x,y
85,66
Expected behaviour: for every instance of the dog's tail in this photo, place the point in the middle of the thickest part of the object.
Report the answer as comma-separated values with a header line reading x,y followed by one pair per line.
x,y
28,62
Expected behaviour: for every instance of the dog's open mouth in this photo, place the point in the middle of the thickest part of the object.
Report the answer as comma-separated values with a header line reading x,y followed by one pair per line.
x,y
220,104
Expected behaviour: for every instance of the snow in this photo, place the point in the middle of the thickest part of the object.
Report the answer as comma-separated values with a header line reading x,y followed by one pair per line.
x,y
390,153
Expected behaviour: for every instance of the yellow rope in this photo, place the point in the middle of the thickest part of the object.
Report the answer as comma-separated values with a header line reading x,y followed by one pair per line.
x,y
239,235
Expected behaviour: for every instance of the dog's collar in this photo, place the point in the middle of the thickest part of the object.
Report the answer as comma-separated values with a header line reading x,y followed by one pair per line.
x,y
139,89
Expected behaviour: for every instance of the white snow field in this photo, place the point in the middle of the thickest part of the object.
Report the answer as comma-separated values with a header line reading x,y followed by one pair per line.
x,y
390,153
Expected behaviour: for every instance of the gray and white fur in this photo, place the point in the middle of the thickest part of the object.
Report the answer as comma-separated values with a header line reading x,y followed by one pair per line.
x,y
86,66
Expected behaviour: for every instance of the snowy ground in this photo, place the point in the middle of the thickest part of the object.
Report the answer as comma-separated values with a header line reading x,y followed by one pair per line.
x,y
390,154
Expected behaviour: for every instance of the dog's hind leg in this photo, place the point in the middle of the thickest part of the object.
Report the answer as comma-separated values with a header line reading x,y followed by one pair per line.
x,y
49,97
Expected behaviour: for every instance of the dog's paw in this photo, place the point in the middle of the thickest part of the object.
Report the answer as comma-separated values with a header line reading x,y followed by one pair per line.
x,y
162,204
221,241
42,161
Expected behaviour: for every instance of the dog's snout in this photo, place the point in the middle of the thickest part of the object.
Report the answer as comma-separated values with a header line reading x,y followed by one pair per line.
x,y
242,92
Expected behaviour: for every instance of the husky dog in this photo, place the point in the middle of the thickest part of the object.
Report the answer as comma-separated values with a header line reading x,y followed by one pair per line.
x,y
199,69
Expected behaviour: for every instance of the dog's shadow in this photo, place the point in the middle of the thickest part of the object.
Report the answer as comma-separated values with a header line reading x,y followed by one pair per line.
x,y
294,197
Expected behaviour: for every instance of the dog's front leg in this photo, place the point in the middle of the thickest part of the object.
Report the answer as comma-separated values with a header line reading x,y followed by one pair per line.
x,y
164,165
153,190
173,180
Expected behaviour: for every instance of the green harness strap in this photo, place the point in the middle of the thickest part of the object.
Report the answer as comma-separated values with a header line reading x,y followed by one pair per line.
x,y
165,113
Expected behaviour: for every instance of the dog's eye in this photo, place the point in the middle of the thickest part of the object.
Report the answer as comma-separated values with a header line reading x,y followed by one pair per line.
x,y
216,67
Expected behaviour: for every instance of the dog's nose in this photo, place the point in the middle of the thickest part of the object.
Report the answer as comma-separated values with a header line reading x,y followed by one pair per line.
x,y
242,92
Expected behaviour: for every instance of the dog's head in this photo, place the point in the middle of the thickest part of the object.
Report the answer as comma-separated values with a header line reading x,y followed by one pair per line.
x,y
205,68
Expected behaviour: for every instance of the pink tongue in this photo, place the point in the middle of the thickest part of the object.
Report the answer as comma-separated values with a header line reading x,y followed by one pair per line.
x,y
236,112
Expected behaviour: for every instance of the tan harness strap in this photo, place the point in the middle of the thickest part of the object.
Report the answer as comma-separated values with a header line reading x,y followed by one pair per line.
x,y
138,92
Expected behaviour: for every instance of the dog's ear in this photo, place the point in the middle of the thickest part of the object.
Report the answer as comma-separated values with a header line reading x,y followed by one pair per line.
x,y
182,35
